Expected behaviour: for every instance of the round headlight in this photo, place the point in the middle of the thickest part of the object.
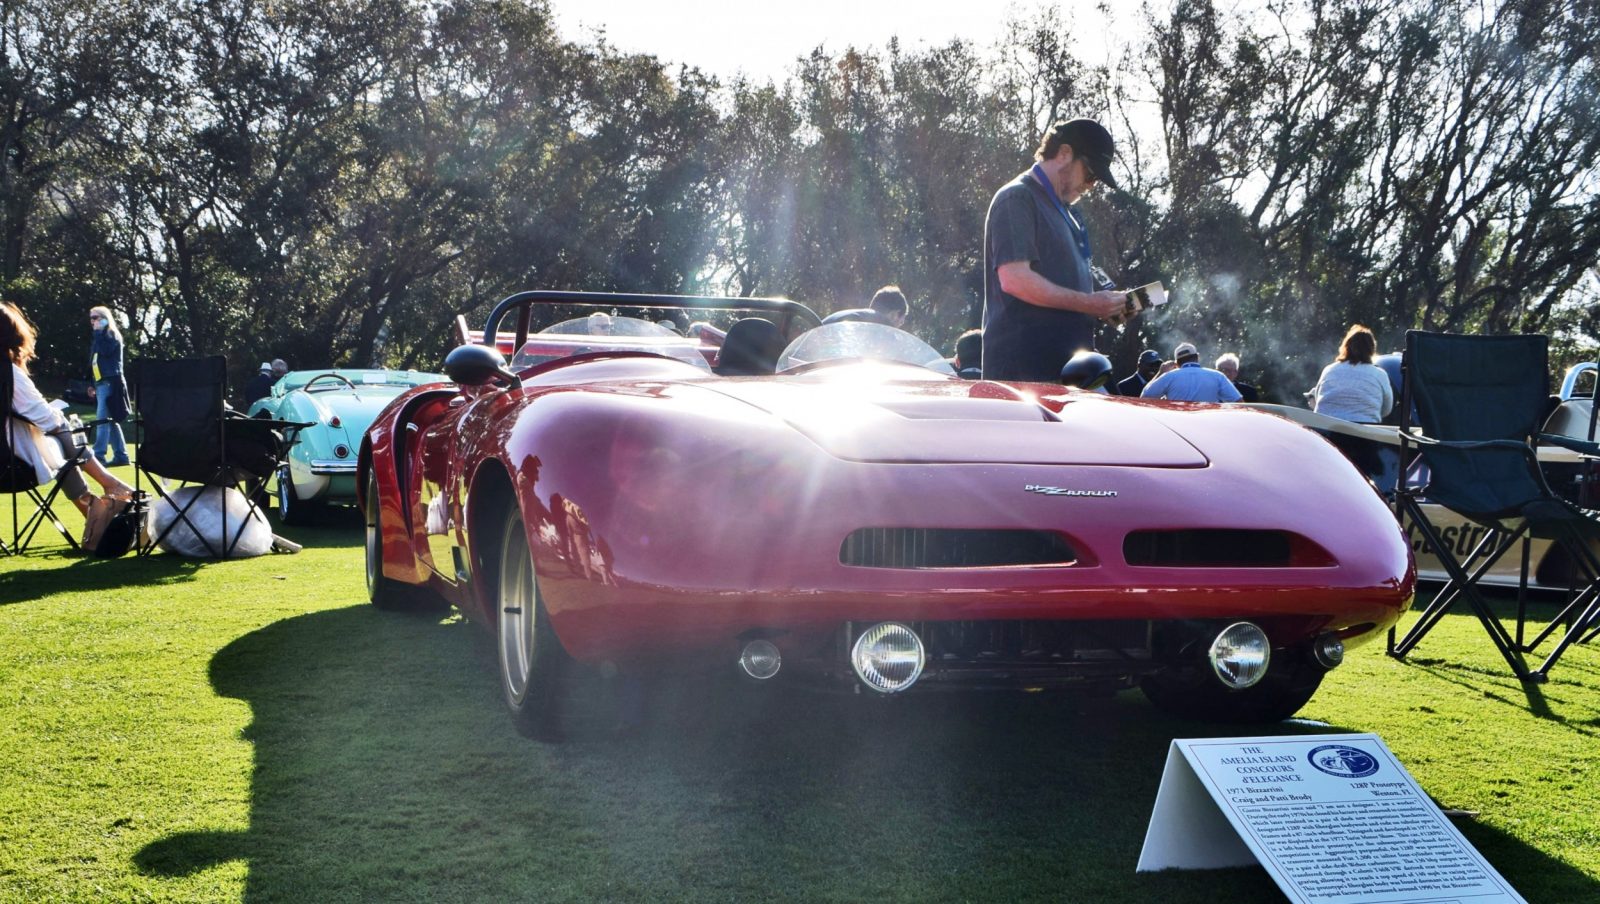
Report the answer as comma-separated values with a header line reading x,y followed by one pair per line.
x,y
760,659
1240,655
888,657
1328,650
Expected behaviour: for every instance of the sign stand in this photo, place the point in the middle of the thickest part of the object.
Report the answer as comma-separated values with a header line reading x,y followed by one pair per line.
x,y
1334,819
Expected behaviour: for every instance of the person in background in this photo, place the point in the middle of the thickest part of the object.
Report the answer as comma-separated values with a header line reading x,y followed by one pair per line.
x,y
1352,388
969,355
110,391
40,435
888,306
1228,366
1149,364
1043,298
279,368
260,385
1191,381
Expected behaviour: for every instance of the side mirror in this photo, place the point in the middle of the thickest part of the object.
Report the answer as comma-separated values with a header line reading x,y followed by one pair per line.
x,y
1087,370
476,365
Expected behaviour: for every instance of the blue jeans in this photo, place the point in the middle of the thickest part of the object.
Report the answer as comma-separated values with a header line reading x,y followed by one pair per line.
x,y
107,434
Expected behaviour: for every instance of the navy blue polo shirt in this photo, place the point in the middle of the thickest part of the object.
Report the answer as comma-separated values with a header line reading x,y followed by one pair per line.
x,y
1023,341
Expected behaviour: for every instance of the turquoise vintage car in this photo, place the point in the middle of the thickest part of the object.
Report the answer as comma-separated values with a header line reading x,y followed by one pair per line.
x,y
339,404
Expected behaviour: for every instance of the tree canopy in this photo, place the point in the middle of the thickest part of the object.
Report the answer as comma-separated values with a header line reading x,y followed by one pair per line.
x,y
331,182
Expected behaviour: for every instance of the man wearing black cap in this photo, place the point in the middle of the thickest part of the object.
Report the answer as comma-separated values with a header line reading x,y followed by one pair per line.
x,y
1040,300
1149,365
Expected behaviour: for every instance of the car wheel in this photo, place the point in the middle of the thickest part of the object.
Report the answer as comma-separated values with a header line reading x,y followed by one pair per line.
x,y
387,593
1199,695
532,661
290,509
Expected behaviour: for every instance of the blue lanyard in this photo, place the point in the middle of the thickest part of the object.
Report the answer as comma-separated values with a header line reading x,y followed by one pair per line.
x,y
1079,234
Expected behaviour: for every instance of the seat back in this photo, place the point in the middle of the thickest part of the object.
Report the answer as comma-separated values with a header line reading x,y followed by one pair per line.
x,y
1473,389
180,405
751,348
16,475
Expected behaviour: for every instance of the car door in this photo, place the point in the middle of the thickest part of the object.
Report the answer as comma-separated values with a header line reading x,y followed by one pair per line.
x,y
447,448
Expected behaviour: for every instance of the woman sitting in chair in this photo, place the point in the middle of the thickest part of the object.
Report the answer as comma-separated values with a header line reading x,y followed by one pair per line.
x,y
46,441
1352,387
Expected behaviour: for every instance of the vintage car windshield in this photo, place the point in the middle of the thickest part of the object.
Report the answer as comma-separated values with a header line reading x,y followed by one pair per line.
x,y
361,379
858,340
601,332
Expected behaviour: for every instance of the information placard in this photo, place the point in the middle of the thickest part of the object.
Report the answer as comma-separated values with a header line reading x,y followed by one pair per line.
x,y
1335,819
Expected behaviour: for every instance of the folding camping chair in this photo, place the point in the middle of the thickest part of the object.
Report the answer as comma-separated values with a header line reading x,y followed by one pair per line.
x,y
188,434
1480,403
19,479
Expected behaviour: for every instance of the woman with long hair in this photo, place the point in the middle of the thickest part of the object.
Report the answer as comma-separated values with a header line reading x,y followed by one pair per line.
x,y
110,399
1352,387
45,440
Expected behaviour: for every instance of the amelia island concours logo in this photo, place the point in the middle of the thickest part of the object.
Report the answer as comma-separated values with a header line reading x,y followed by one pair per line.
x,y
1063,491
1342,761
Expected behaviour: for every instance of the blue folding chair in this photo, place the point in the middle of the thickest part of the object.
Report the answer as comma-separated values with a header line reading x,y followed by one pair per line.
x,y
1480,403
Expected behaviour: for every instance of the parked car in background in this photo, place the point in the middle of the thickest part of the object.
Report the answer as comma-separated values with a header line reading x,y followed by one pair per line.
x,y
849,513
339,404
1374,449
1569,474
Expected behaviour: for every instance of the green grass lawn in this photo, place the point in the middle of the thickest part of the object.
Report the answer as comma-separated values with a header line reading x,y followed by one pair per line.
x,y
174,730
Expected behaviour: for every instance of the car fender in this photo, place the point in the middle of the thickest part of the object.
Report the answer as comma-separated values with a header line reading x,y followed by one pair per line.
x,y
383,453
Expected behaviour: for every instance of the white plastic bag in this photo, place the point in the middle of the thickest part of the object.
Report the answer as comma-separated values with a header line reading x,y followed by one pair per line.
x,y
206,515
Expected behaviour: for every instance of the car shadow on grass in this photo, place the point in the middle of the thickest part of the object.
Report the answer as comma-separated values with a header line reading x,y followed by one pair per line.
x,y
386,769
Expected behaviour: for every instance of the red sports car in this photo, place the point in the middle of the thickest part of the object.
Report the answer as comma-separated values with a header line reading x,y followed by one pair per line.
x,y
833,506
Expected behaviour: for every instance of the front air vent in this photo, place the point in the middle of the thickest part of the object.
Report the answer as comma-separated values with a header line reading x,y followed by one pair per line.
x,y
1223,548
917,547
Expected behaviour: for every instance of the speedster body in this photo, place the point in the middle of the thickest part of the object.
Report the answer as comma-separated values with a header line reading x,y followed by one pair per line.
x,y
338,406
866,524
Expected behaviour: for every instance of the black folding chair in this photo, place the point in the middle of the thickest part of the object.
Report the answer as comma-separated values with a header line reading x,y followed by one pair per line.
x,y
188,434
19,479
1480,403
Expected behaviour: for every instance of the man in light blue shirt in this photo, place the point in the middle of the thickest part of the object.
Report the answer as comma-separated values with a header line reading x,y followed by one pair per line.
x,y
1190,381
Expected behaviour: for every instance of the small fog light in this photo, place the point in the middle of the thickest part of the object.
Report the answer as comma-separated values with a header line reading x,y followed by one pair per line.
x,y
760,659
888,657
1328,650
1240,654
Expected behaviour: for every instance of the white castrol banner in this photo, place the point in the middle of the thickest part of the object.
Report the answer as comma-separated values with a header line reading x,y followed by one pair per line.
x,y
206,514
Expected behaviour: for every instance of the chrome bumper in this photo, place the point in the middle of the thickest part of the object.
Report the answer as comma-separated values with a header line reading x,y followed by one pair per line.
x,y
332,466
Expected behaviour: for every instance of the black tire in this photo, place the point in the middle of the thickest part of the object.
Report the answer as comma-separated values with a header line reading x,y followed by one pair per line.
x,y
550,695
387,593
533,668
291,508
1197,694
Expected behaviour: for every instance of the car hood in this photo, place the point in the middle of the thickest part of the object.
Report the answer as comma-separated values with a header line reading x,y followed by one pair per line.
x,y
969,423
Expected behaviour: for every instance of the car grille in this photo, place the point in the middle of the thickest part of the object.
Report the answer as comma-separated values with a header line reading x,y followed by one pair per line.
x,y
916,547
1223,548
978,642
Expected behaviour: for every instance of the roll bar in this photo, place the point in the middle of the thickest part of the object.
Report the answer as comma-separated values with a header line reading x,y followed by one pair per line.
x,y
522,303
